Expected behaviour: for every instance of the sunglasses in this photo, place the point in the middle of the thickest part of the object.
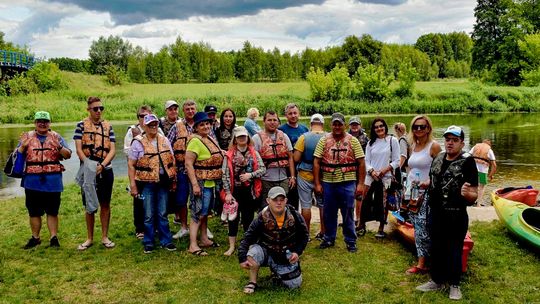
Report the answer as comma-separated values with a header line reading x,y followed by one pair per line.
x,y
378,127
419,127
95,109
141,115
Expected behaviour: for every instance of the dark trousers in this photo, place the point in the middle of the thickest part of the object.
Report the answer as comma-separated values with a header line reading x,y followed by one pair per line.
x,y
138,215
246,209
448,229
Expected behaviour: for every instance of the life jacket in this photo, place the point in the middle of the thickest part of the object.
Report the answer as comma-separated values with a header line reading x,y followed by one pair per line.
x,y
447,185
362,138
179,146
480,153
274,153
42,158
311,139
210,168
278,240
147,167
96,142
338,154
256,187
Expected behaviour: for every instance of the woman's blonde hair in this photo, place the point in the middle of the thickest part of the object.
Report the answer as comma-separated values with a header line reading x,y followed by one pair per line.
x,y
412,138
400,129
252,113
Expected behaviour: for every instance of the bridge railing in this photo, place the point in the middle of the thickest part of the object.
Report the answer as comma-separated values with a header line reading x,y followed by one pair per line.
x,y
16,59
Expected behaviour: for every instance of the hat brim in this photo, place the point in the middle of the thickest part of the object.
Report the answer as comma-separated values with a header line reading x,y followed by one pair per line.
x,y
277,195
201,121
457,134
240,134
338,120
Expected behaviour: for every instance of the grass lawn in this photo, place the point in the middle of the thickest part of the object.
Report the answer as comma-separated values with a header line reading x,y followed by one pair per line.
x,y
500,271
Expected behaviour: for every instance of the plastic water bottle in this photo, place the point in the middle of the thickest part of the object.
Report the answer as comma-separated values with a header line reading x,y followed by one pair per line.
x,y
415,187
288,254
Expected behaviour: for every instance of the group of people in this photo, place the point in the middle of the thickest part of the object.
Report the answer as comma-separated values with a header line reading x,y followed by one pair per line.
x,y
265,178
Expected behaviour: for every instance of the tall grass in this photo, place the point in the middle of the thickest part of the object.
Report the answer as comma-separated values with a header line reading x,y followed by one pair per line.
x,y
456,96
500,271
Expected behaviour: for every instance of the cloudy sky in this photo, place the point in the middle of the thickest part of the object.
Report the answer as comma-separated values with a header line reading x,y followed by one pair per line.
x,y
66,28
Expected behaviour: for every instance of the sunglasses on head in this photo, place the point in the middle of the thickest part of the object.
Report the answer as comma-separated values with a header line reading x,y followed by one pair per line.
x,y
419,127
95,109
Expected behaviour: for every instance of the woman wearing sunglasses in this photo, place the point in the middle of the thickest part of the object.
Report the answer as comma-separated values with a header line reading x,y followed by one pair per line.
x,y
423,150
382,158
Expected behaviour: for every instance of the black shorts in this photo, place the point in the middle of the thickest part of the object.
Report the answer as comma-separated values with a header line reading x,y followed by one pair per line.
x,y
39,202
104,186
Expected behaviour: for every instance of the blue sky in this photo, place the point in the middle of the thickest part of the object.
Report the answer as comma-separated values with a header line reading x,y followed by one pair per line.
x,y
66,28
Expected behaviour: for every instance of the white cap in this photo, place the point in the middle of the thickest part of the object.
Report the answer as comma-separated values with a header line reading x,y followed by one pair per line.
x,y
317,118
170,103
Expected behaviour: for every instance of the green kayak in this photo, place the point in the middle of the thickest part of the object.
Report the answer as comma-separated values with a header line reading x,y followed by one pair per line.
x,y
523,221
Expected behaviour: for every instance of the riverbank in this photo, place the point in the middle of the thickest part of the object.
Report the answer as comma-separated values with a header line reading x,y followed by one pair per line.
x,y
498,267
448,96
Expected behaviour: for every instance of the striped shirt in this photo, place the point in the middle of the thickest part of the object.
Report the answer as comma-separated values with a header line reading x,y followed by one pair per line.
x,y
337,176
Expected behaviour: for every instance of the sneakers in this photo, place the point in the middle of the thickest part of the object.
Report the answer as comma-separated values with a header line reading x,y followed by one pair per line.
x,y
380,235
326,244
177,221
319,236
32,242
54,242
148,249
352,248
169,247
181,233
455,292
430,286
210,234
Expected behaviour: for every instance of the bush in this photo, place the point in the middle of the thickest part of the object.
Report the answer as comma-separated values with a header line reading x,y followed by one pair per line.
x,y
531,78
21,85
342,85
47,76
114,75
320,84
407,77
372,84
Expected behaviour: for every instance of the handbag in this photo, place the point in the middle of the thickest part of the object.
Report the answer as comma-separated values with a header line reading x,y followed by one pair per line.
x,y
14,165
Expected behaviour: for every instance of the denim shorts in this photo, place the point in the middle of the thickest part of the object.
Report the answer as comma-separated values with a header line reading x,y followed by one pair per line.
x,y
260,255
202,204
306,194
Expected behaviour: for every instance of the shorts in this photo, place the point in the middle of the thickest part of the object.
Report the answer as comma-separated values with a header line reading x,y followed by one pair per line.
x,y
38,202
307,194
202,204
482,178
260,255
104,186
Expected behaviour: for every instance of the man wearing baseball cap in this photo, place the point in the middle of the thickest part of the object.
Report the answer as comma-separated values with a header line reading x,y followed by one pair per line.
x,y
341,159
43,149
303,156
454,186
171,110
276,238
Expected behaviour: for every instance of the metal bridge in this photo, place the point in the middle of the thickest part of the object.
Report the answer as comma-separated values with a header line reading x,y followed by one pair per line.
x,y
12,62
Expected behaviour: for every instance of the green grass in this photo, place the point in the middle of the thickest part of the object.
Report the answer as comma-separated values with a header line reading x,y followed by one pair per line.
x,y
448,96
500,271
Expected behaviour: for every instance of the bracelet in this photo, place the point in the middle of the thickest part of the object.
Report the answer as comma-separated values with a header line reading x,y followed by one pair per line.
x,y
291,177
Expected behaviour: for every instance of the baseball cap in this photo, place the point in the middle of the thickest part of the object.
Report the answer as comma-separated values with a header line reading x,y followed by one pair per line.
x,y
170,103
317,118
150,118
275,192
42,115
210,109
456,131
355,119
240,131
338,117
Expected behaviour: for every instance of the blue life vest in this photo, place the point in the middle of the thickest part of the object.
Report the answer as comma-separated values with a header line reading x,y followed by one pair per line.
x,y
311,139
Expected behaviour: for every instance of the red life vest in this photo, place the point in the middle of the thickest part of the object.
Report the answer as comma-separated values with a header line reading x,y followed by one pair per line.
x,y
43,158
338,154
274,153
147,167
257,183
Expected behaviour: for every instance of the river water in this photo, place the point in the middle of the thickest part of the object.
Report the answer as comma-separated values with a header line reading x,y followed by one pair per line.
x,y
515,137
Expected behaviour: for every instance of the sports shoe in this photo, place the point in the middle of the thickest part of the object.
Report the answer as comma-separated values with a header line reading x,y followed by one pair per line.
x,y
32,242
177,221
181,233
430,286
455,292
326,244
352,248
54,242
380,235
210,234
169,247
319,236
148,249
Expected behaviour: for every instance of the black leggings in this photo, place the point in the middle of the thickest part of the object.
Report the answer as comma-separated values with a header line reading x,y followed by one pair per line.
x,y
246,209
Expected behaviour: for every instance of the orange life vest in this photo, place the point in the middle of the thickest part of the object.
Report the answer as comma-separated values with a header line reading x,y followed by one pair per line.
x,y
338,154
274,153
43,157
96,142
210,168
257,183
480,153
147,167
179,146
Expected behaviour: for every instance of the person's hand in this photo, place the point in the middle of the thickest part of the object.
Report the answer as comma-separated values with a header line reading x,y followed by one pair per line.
x,y
99,168
133,190
318,189
196,190
292,182
424,184
490,177
359,189
467,190
294,258
246,264
228,199
376,175
24,144
245,177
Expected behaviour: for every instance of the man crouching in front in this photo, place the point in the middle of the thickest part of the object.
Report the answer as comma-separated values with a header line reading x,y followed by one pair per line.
x,y
276,238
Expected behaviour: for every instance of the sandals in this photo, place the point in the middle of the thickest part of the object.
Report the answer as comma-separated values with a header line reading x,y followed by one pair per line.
x,y
139,235
417,270
109,244
199,252
250,288
84,246
213,245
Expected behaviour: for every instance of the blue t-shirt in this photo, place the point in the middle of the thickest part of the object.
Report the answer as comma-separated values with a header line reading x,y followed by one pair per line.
x,y
50,182
252,127
293,133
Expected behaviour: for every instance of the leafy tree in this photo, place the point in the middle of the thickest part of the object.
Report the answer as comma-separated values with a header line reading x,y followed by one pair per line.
x,y
109,51
71,64
407,77
320,85
360,52
249,63
393,55
136,70
179,51
114,75
372,84
46,75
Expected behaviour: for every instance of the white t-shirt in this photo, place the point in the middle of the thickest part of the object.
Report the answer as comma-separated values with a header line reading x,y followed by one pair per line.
x,y
378,156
